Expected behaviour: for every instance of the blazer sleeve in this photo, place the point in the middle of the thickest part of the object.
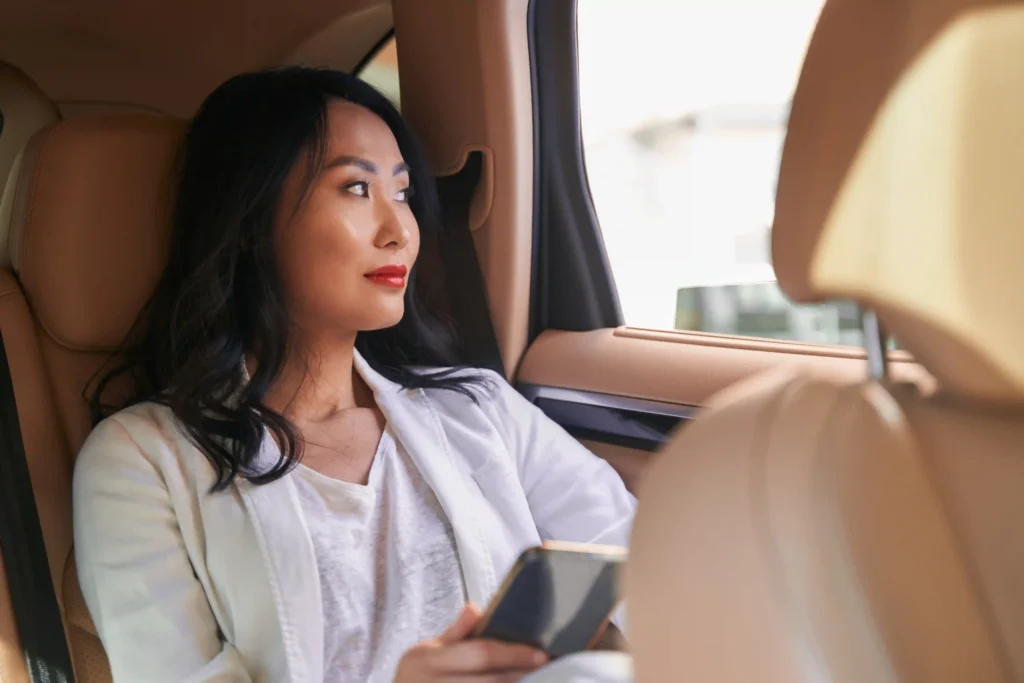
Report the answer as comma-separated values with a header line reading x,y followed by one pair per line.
x,y
150,610
573,495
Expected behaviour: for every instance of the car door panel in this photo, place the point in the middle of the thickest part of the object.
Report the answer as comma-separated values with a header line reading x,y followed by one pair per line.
x,y
623,391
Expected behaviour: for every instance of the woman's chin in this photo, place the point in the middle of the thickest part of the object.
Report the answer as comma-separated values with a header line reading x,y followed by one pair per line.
x,y
384,320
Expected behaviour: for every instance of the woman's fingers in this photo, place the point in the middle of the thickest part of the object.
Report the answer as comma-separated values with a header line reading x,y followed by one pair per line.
x,y
506,677
486,656
455,658
462,626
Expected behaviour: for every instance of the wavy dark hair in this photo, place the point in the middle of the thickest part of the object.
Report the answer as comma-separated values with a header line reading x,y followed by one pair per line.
x,y
220,296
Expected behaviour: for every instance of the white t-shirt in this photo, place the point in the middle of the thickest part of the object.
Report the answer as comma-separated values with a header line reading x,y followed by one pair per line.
x,y
389,571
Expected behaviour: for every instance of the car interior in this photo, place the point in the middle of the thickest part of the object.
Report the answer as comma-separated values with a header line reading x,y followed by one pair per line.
x,y
815,503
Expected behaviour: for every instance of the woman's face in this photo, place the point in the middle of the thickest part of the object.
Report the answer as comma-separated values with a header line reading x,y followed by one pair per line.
x,y
346,252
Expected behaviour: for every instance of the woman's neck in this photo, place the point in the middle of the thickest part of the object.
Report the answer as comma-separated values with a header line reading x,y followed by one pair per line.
x,y
318,381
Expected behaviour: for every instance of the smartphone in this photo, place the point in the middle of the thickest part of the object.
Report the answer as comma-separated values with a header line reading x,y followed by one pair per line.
x,y
558,598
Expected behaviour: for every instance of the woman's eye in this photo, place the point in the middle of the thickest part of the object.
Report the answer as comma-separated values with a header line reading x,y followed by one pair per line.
x,y
359,189
403,195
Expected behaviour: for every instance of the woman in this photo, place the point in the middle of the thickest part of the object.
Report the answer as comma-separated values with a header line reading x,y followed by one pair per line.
x,y
307,485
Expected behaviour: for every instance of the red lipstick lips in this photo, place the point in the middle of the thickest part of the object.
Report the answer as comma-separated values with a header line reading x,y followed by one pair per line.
x,y
388,276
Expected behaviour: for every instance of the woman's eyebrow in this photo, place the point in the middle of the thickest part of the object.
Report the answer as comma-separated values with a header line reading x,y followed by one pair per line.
x,y
358,162
367,165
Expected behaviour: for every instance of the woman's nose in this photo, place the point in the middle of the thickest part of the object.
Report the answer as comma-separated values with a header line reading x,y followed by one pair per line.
x,y
393,232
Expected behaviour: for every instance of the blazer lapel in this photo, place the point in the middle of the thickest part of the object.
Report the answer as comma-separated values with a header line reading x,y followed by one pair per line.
x,y
418,429
287,552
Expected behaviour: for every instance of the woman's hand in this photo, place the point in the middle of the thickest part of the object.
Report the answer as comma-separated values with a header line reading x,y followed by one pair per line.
x,y
612,639
452,658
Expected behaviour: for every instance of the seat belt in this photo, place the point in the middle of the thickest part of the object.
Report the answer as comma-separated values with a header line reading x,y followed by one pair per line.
x,y
464,280
33,599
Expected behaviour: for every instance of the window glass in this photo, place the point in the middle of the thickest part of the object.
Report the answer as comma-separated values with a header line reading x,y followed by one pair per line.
x,y
382,71
684,106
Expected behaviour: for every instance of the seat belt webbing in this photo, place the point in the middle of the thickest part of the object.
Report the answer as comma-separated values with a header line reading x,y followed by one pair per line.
x,y
33,599
464,279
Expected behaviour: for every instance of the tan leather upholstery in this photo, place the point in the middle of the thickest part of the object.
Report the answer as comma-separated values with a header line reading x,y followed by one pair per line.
x,y
927,226
90,239
89,185
466,87
167,56
24,110
803,529
834,128
857,52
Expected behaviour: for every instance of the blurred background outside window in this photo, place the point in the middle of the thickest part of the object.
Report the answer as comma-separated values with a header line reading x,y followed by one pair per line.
x,y
684,107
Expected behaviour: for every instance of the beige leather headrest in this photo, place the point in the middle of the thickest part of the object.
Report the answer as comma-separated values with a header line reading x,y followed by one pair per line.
x,y
928,227
858,51
90,231
24,110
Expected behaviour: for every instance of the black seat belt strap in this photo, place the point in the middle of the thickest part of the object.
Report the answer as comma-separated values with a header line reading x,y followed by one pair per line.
x,y
33,599
464,281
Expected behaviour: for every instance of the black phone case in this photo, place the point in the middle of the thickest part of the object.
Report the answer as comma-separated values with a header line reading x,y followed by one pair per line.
x,y
525,614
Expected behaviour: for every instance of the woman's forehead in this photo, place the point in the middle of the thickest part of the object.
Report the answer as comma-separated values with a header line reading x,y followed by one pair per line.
x,y
356,131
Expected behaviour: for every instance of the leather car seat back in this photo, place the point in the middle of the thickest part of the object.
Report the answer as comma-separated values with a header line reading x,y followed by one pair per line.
x,y
804,530
88,236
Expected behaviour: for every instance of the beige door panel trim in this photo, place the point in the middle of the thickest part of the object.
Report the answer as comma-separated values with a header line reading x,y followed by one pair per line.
x,y
465,80
647,366
755,344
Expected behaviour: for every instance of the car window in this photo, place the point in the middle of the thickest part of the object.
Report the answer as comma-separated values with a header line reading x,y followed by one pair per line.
x,y
381,71
684,107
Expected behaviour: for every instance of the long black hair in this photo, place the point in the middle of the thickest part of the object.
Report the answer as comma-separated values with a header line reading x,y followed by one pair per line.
x,y
220,296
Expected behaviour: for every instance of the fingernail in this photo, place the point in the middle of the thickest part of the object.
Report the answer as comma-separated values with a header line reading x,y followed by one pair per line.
x,y
540,658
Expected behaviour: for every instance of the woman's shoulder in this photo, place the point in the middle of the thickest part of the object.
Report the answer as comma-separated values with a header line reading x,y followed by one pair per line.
x,y
145,429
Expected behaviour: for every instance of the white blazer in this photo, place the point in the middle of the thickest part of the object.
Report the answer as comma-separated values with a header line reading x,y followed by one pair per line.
x,y
184,585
